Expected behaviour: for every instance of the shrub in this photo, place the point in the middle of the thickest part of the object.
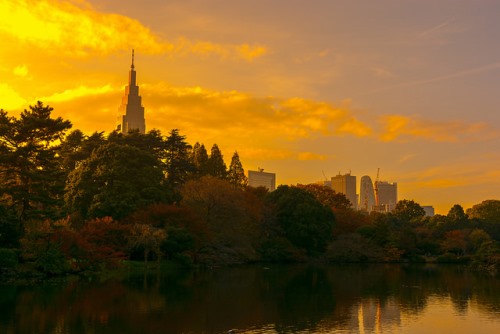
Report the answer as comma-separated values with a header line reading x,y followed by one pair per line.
x,y
8,258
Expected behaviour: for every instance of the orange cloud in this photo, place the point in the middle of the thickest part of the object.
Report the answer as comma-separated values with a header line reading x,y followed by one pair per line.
x,y
10,99
308,156
404,128
51,25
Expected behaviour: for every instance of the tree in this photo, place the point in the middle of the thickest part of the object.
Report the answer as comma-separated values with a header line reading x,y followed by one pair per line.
x,y
457,215
408,211
230,216
115,181
236,174
31,177
327,196
199,158
215,164
149,239
178,162
487,214
305,221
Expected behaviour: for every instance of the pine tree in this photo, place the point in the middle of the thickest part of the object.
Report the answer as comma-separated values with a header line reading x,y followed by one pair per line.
x,y
179,165
31,170
215,164
199,158
236,174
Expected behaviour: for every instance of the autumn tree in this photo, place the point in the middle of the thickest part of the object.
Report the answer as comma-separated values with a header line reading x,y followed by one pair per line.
x,y
231,221
31,177
236,174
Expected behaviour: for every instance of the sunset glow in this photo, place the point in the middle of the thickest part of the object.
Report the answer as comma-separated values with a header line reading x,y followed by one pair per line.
x,y
304,89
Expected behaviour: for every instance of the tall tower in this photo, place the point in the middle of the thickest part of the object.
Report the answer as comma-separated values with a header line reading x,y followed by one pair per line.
x,y
131,111
346,184
366,194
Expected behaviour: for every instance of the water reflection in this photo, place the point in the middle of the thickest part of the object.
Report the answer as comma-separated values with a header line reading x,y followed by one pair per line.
x,y
279,299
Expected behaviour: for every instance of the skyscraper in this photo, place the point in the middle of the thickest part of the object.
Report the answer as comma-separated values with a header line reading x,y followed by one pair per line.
x,y
131,111
366,194
262,179
346,184
387,195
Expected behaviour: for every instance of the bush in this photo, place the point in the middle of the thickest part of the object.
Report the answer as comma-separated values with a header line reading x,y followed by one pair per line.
x,y
53,261
452,258
8,258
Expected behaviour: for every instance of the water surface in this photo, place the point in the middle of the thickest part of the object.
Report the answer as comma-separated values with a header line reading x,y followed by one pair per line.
x,y
259,299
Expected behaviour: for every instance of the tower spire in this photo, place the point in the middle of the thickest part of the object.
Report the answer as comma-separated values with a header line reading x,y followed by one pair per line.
x,y
132,59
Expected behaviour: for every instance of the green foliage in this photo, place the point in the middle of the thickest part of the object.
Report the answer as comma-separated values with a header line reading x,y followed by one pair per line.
x,y
457,215
10,230
278,249
31,179
327,196
8,258
52,261
177,242
353,247
487,214
115,181
305,221
179,164
408,211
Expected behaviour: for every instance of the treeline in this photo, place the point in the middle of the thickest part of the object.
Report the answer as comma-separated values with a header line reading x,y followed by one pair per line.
x,y
72,202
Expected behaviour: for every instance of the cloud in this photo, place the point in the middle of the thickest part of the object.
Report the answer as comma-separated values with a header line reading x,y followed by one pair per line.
x,y
308,156
78,30
242,116
21,71
80,91
404,128
10,99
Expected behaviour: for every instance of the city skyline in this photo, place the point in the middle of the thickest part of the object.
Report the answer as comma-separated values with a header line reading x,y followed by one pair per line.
x,y
305,89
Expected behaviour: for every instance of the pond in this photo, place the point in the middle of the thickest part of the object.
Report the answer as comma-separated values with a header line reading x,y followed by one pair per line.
x,y
379,298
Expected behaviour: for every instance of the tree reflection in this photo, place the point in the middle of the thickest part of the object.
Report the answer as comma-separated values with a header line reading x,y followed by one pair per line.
x,y
282,299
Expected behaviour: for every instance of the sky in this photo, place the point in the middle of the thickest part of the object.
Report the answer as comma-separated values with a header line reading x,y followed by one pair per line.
x,y
304,89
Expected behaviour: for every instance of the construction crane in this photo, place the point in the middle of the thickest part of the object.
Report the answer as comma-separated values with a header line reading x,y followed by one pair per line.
x,y
376,188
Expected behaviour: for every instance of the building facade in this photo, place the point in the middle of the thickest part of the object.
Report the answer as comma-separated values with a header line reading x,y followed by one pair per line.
x,y
366,194
346,184
387,193
131,111
260,178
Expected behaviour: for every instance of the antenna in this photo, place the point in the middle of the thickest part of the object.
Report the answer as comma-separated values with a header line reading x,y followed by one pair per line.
x,y
324,175
132,58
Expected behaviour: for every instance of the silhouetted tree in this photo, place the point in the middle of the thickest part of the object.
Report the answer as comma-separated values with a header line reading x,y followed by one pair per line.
x,y
408,211
199,158
31,173
215,164
178,163
306,222
236,174
115,181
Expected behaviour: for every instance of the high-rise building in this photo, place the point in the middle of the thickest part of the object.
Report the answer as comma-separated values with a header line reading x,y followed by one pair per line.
x,y
262,179
346,184
131,111
366,194
387,195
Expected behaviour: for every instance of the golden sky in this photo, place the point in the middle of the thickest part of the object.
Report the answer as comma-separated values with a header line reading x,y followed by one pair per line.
x,y
301,88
